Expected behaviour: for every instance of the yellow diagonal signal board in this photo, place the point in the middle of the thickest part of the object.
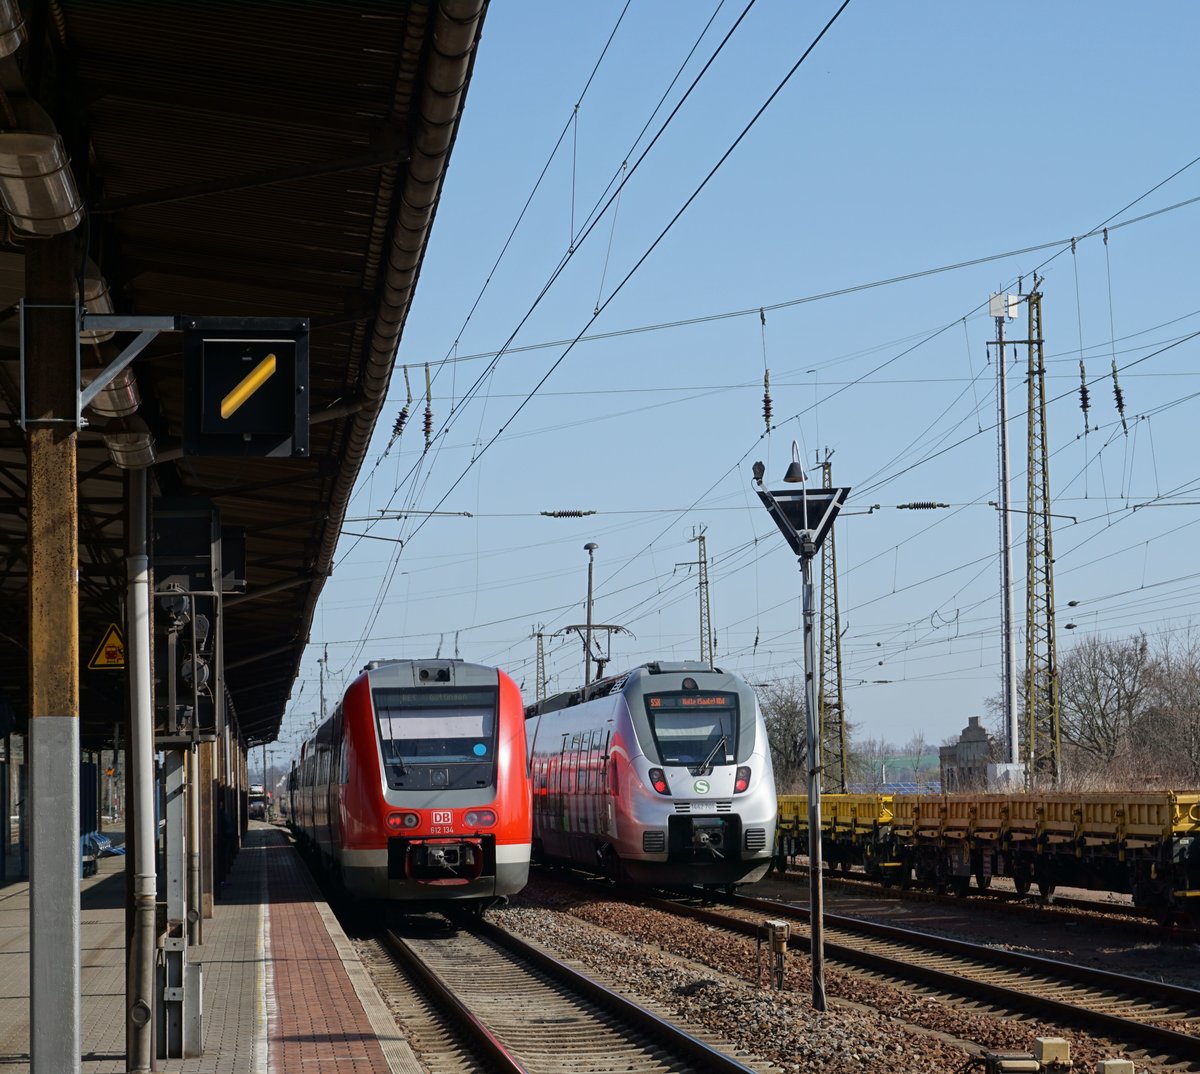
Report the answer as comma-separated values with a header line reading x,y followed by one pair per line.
x,y
246,387
253,380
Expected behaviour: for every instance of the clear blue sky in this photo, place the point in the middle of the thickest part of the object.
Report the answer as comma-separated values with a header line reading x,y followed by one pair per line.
x,y
915,136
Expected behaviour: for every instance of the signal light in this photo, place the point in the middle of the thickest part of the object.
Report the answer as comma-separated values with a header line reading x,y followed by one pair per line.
x,y
741,779
658,780
399,821
479,818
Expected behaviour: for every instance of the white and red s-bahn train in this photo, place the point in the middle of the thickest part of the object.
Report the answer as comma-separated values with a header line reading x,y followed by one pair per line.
x,y
658,776
415,790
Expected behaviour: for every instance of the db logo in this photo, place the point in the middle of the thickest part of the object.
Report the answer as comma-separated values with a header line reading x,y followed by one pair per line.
x,y
441,817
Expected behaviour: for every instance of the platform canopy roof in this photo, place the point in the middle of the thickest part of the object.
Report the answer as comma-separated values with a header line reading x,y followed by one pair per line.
x,y
234,157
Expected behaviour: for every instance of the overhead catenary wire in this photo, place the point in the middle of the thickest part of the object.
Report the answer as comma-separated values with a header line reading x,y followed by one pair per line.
x,y
824,296
1111,335
596,214
653,245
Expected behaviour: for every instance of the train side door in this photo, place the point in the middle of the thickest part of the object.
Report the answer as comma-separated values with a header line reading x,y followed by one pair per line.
x,y
607,788
337,778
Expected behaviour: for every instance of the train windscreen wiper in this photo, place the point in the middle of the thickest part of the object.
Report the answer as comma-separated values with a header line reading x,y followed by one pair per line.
x,y
706,764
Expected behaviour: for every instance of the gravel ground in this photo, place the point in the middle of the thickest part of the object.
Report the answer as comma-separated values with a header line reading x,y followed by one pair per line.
x,y
713,979
1105,941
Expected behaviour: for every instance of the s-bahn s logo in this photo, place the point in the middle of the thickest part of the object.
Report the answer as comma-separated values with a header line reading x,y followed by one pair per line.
x,y
440,817
701,786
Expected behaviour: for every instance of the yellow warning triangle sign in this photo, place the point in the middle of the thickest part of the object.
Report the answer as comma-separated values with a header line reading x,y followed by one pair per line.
x,y
110,653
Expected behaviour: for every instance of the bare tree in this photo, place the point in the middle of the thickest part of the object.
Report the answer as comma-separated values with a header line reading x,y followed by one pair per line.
x,y
1104,690
1169,733
869,761
917,748
783,707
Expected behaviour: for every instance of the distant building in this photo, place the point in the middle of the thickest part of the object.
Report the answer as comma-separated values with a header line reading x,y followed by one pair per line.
x,y
964,765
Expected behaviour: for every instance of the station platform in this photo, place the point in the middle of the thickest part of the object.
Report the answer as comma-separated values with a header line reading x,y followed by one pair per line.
x,y
284,990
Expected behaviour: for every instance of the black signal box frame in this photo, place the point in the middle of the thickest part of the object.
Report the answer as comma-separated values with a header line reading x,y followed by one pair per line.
x,y
803,512
246,387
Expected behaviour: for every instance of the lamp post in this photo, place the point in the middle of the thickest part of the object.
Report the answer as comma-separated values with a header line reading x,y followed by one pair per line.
x,y
804,518
590,548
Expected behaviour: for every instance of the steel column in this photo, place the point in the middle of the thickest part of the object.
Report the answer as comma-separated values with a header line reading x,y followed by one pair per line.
x,y
195,920
50,370
816,910
139,767
172,966
208,809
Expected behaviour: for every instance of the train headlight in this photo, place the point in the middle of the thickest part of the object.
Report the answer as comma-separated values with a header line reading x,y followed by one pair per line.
x,y
399,821
741,781
479,818
658,780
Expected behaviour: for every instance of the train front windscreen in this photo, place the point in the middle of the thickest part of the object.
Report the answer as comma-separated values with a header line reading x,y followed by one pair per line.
x,y
433,738
694,729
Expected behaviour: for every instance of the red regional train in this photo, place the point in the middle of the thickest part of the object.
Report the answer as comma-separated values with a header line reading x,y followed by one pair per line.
x,y
415,790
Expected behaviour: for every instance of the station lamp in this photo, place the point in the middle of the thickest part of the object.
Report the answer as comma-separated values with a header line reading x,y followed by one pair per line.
x,y
12,28
37,189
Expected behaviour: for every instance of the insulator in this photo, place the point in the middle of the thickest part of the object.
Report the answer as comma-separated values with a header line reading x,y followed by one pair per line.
x,y
1083,390
567,513
767,398
428,408
921,505
1072,245
1119,396
407,386
1106,236
401,421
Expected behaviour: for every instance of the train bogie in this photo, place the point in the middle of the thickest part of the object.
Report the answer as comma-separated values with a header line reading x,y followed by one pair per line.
x,y
660,776
415,791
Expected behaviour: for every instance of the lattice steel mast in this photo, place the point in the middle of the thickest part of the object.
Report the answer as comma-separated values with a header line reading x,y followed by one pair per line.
x,y
1041,662
831,709
540,684
706,634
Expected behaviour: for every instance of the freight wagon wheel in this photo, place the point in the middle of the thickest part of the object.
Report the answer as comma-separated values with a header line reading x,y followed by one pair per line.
x,y
1046,891
983,880
1021,883
846,866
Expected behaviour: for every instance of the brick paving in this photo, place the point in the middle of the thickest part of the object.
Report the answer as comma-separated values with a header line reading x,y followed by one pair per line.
x,y
283,988
317,1022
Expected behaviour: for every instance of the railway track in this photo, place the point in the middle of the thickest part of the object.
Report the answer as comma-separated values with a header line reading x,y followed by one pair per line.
x,y
1160,1020
1130,919
519,1009
859,881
